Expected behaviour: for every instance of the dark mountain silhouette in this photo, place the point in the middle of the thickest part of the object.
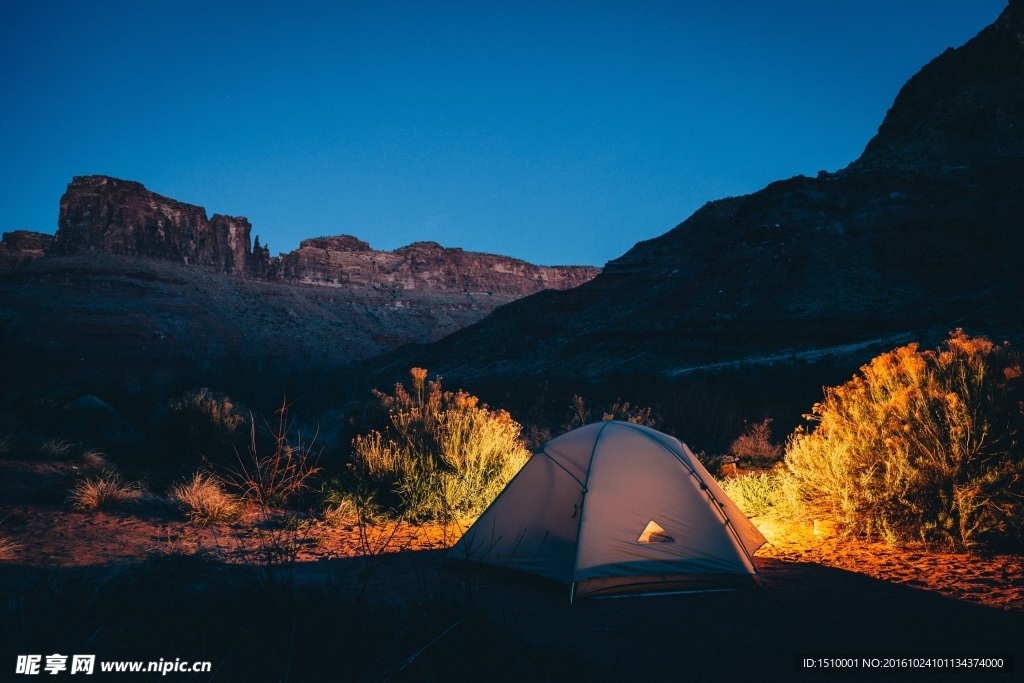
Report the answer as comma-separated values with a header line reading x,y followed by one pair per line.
x,y
919,235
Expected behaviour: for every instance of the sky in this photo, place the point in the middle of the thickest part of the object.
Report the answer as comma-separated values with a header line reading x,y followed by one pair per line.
x,y
555,132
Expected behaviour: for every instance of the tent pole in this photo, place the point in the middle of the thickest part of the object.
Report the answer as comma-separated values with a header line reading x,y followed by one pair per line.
x,y
718,506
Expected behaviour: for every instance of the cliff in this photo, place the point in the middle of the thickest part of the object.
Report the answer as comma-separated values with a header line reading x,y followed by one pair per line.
x,y
102,214
137,285
21,246
114,216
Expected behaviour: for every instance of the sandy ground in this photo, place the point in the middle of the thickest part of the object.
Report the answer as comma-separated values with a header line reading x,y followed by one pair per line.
x,y
823,596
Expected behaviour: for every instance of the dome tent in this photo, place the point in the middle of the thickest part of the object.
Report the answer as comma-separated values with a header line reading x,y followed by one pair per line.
x,y
615,507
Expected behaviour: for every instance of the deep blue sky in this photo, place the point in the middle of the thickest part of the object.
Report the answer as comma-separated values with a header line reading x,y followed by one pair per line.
x,y
557,132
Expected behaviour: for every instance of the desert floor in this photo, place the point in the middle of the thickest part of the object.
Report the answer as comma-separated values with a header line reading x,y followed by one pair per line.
x,y
822,596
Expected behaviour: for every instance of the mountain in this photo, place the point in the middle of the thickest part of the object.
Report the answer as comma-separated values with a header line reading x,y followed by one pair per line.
x,y
135,284
919,235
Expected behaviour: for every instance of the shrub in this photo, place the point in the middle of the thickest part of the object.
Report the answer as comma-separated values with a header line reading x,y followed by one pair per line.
x,y
581,411
755,444
204,422
204,501
759,494
920,445
274,476
103,492
442,453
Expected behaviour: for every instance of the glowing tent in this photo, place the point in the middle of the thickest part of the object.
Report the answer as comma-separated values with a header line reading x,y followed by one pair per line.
x,y
615,507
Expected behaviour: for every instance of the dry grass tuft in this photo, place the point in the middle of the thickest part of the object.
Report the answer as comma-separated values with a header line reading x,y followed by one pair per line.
x,y
103,492
204,501
56,449
8,549
96,460
344,513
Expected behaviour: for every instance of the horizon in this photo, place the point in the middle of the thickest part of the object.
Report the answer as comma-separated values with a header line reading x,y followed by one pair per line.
x,y
559,135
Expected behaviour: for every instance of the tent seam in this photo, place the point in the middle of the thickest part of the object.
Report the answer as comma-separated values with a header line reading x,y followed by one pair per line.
x,y
583,505
707,491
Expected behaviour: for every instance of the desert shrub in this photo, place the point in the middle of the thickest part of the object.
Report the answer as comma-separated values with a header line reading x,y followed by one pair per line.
x,y
920,445
583,412
441,453
759,494
274,475
103,492
204,500
204,422
755,445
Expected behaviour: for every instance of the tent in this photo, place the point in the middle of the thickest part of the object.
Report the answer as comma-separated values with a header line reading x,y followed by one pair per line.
x,y
615,507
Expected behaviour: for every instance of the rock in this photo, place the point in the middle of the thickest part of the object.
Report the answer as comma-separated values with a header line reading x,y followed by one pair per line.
x,y
103,214
21,246
345,261
98,213
138,285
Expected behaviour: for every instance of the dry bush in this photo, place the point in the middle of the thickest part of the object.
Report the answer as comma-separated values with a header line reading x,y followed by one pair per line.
x,y
443,453
204,501
103,492
581,410
273,477
921,445
755,444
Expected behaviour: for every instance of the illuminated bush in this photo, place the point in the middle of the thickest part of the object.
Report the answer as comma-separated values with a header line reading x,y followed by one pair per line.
x,y
921,445
103,492
755,444
441,453
204,501
759,494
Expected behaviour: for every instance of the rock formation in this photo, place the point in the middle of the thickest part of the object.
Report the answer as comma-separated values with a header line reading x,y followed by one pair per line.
x,y
136,284
104,214
21,246
114,216
345,261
